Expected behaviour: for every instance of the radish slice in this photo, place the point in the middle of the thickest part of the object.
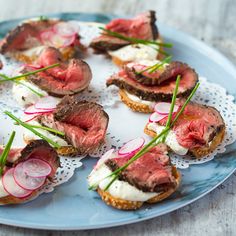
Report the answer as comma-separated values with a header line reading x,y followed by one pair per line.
x,y
29,117
25,181
32,110
104,157
47,103
45,36
12,187
163,108
36,168
155,117
60,41
36,67
131,146
64,29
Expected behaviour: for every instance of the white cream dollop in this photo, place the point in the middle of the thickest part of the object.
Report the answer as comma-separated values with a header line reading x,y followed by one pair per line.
x,y
24,96
139,100
171,139
119,189
135,52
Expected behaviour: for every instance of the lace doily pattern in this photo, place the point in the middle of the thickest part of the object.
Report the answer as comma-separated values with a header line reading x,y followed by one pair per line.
x,y
209,94
212,94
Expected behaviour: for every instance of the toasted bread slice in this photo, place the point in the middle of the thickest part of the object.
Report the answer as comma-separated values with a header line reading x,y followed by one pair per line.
x,y
202,151
133,105
122,204
66,52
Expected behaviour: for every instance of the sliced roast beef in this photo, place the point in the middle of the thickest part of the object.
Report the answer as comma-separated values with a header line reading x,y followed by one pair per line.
x,y
150,173
84,123
31,34
197,126
68,78
143,74
35,149
162,92
25,36
142,27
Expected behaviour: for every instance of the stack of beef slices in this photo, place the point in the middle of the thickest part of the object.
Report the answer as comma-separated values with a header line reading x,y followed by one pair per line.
x,y
123,50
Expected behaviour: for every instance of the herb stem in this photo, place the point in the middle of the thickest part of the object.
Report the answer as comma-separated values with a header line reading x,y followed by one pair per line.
x,y
156,140
136,40
153,68
27,126
3,157
29,73
47,128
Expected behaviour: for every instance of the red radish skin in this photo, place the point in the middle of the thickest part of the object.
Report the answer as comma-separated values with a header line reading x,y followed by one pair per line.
x,y
163,108
47,103
30,117
32,110
12,187
36,168
60,41
64,29
131,147
26,182
45,36
155,117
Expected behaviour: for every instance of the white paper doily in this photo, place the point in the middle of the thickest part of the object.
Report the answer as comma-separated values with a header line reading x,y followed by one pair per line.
x,y
208,93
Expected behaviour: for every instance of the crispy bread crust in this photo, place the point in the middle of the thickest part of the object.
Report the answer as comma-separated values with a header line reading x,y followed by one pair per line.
x,y
135,106
198,152
67,53
122,204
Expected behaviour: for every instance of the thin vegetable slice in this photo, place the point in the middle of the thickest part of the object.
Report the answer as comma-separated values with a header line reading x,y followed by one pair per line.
x,y
25,181
12,187
163,108
36,168
155,117
64,29
131,147
47,103
33,110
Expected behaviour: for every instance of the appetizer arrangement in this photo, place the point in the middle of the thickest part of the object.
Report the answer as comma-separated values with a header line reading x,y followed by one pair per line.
x,y
57,120
25,171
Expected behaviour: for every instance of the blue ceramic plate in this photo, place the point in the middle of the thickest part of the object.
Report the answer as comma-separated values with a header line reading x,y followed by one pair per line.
x,y
71,206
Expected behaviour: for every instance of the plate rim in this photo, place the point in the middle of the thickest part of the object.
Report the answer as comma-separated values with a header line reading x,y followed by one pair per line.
x,y
180,34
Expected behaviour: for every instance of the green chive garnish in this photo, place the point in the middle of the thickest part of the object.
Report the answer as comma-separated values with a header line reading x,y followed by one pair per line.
x,y
33,128
136,40
4,155
158,139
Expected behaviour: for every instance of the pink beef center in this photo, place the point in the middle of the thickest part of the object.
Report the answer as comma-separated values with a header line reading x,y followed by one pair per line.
x,y
193,126
150,169
167,87
139,27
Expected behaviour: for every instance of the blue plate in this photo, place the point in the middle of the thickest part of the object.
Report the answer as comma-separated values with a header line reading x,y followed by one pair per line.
x,y
71,206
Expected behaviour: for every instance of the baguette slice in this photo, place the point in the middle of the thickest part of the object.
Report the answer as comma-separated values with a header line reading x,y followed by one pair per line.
x,y
198,152
122,204
200,128
33,149
133,105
